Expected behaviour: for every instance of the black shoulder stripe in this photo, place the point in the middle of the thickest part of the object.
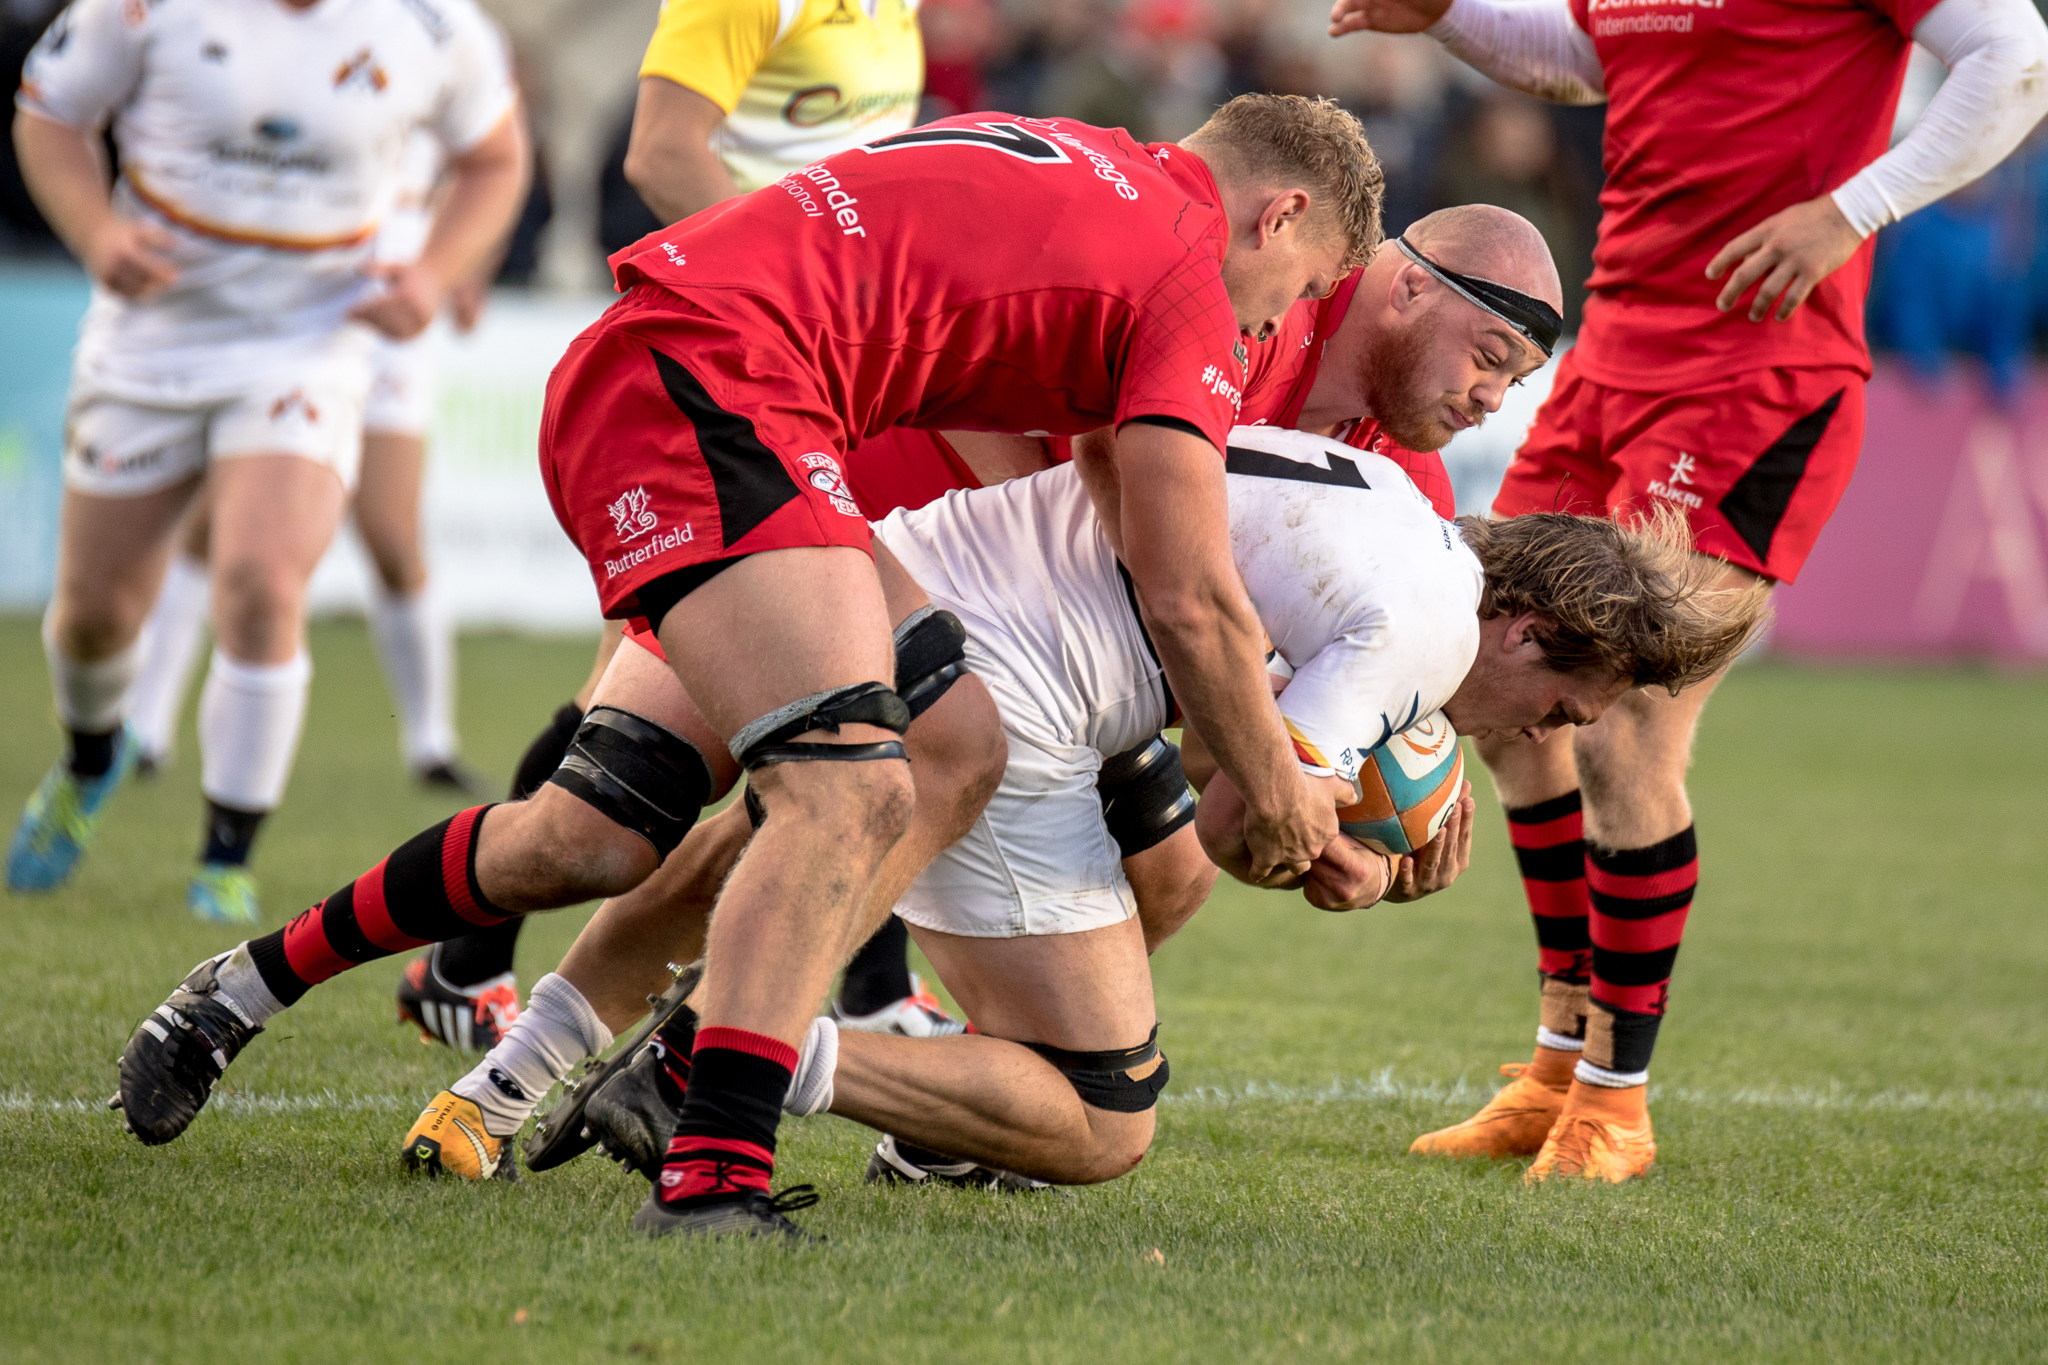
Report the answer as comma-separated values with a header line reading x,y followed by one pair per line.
x,y
1258,464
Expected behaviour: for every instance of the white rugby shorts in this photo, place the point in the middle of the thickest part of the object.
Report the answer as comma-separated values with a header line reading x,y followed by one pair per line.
x,y
115,446
1040,860
402,375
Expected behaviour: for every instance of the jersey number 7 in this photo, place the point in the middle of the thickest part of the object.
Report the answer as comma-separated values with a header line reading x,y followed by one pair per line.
x,y
1007,138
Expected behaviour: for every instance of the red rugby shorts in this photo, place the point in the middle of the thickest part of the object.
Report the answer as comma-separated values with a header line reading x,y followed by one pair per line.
x,y
1756,462
671,438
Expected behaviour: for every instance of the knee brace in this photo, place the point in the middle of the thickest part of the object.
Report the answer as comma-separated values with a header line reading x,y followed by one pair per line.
x,y
1103,1079
767,740
639,775
931,655
1145,795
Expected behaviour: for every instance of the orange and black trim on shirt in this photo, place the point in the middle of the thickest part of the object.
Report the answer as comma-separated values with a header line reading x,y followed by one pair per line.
x,y
239,237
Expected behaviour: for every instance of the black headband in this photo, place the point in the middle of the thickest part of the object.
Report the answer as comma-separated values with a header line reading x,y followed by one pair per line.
x,y
1531,317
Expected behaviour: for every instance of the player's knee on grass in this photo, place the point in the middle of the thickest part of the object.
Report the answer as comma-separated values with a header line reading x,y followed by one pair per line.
x,y
1121,1087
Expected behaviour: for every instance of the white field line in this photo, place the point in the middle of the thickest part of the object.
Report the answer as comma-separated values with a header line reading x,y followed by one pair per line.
x,y
1381,1088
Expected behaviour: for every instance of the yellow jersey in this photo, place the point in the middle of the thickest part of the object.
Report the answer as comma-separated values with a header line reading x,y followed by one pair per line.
x,y
798,79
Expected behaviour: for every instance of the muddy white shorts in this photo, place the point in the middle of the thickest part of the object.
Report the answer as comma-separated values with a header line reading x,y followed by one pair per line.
x,y
117,447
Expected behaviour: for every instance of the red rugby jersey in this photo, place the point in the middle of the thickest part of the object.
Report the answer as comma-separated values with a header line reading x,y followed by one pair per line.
x,y
1721,113
1283,370
985,272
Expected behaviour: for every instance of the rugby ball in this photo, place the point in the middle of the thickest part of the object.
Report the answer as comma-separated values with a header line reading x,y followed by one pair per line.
x,y
1407,788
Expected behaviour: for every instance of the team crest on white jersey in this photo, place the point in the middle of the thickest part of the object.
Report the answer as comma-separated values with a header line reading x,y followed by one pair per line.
x,y
823,472
631,516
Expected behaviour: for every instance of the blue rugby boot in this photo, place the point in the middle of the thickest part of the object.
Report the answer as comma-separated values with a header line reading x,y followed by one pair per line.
x,y
224,893
59,822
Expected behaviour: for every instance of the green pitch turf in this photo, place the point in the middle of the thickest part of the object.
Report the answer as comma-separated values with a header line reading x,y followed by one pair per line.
x,y
1851,1102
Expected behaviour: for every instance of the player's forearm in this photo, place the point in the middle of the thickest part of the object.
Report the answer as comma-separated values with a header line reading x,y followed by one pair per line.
x,y
486,188
66,175
1996,91
1534,47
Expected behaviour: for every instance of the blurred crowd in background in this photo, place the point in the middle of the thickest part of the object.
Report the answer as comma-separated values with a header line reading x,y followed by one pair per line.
x,y
1967,276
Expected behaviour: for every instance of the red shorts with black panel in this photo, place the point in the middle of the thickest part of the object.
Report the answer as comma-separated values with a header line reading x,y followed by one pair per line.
x,y
1756,462
671,439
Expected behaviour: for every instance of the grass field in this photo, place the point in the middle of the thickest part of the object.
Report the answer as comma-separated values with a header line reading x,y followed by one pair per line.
x,y
1851,1099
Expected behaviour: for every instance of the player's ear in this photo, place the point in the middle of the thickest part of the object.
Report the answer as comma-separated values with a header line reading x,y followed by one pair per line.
x,y
1410,283
1284,212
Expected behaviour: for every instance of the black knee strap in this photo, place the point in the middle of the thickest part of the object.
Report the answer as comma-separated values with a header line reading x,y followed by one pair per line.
x,y
1145,795
765,741
1103,1079
639,775
931,655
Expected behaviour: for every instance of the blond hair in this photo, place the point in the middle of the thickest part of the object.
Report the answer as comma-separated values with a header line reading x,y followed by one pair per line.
x,y
1310,143
1632,599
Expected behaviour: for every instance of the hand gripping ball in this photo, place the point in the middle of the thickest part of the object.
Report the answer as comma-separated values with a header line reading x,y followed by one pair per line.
x,y
1406,788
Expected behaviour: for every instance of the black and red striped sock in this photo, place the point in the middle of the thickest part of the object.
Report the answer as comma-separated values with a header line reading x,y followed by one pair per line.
x,y
1640,900
725,1138
1550,848
423,893
673,1042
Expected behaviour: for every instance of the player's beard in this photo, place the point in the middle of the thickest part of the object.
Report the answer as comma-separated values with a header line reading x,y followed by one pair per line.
x,y
1396,379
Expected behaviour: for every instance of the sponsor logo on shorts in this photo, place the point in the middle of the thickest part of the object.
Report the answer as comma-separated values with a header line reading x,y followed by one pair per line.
x,y
1681,473
823,472
93,458
653,548
295,401
632,518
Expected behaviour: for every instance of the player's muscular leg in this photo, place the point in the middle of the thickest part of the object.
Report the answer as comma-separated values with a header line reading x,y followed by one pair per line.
x,y
272,518
621,956
956,759
110,564
773,629
387,509
997,1102
1171,880
555,849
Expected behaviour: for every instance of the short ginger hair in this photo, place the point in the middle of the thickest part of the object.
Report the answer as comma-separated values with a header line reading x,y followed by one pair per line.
x,y
1631,598
1293,140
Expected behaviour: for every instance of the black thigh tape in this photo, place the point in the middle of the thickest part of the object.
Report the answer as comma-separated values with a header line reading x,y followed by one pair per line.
x,y
641,776
1103,1079
931,655
1145,795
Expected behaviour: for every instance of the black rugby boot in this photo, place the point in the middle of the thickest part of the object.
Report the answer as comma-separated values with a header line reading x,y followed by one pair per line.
x,y
169,1067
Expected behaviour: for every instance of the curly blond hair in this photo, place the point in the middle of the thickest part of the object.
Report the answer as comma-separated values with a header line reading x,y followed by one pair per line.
x,y
1629,598
1314,144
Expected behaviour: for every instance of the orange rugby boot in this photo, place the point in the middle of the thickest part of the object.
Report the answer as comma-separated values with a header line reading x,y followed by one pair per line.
x,y
1515,1121
448,1138
1603,1134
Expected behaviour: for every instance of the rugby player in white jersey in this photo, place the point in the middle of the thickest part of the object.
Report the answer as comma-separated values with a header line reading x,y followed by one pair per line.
x,y
234,300
1379,613
414,638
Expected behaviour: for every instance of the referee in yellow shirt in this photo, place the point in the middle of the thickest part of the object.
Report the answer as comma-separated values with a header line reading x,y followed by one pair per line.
x,y
735,94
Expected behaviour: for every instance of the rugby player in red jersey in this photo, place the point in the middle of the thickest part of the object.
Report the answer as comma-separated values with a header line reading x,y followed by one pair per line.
x,y
981,272
1719,373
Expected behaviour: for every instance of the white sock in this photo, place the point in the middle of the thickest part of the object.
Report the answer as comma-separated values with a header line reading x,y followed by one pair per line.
x,y
250,716
247,993
817,1061
416,643
1588,1074
555,1031
88,696
170,646
1558,1042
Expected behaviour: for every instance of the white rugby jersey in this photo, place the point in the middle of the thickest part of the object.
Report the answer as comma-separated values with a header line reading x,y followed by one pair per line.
x,y
268,140
1370,600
